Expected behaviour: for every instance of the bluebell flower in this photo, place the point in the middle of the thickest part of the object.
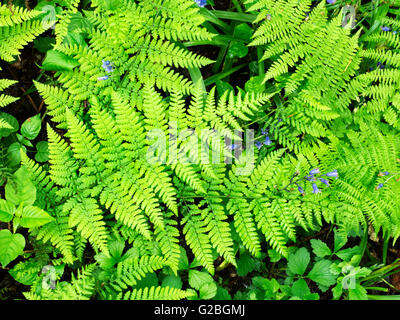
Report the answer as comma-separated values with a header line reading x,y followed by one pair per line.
x,y
267,141
386,28
379,186
324,181
301,190
315,188
259,145
310,178
103,78
201,3
314,171
232,146
331,1
107,66
333,173
384,173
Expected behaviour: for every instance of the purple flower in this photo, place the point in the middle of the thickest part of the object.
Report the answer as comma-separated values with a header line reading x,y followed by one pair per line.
x,y
267,141
331,1
201,3
310,178
314,171
301,190
385,29
259,145
315,188
379,186
333,173
103,78
324,181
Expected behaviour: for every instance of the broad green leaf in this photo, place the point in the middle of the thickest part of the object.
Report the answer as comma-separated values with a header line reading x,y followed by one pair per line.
x,y
42,154
6,211
358,293
31,127
13,124
321,274
347,254
298,262
33,217
320,248
172,281
300,288
222,294
339,241
245,265
183,260
199,278
58,61
208,291
20,189
14,153
11,246
243,31
237,50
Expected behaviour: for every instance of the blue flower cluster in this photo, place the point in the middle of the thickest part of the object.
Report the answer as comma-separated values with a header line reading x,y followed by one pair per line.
x,y
267,140
311,177
201,3
331,1
106,65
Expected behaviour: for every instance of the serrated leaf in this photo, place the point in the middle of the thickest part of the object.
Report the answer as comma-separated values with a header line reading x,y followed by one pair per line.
x,y
208,291
358,293
347,254
298,261
321,274
198,278
320,248
245,265
300,288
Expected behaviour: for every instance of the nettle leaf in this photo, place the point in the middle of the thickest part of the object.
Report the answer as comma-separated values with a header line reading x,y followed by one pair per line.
x,y
198,278
33,217
20,189
321,273
31,127
7,210
320,248
11,246
298,262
